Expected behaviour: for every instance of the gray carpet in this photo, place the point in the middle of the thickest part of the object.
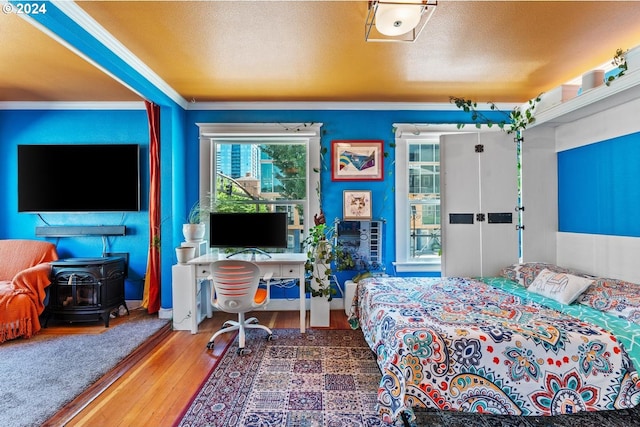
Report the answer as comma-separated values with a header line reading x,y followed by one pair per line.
x,y
41,374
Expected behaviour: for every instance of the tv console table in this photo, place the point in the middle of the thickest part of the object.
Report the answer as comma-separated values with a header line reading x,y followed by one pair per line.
x,y
192,291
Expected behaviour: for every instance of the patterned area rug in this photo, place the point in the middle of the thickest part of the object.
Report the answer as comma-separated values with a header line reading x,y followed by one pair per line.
x,y
321,378
327,378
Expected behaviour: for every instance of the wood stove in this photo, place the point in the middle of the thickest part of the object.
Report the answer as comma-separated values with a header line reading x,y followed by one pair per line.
x,y
86,289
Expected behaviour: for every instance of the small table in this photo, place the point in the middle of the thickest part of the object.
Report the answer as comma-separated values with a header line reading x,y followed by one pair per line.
x,y
192,299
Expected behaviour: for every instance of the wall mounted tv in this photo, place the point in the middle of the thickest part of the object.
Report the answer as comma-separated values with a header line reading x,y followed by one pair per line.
x,y
248,230
79,178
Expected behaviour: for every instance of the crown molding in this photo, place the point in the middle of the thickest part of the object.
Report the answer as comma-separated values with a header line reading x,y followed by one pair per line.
x,y
315,106
72,105
240,106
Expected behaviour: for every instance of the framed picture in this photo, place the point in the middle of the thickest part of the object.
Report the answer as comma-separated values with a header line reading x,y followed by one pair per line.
x,y
356,160
356,205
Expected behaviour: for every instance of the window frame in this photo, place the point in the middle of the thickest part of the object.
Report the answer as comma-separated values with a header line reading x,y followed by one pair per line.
x,y
309,133
405,134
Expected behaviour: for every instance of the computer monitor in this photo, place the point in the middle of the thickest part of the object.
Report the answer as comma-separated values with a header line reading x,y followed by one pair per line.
x,y
248,231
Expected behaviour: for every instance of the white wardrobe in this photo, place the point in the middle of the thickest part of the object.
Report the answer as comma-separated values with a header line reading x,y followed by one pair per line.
x,y
479,210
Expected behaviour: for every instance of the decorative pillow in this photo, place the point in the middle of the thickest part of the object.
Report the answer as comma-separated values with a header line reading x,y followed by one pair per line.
x,y
614,296
527,272
562,287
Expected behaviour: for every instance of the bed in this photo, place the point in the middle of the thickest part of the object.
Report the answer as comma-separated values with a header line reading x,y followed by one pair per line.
x,y
538,340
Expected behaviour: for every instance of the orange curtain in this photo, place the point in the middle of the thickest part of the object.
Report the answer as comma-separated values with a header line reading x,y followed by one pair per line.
x,y
151,296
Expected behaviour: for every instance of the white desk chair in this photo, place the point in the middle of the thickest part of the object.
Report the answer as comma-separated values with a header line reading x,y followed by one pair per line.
x,y
235,289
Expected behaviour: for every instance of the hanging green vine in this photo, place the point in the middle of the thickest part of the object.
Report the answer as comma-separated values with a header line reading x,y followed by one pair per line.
x,y
319,253
514,121
322,255
620,61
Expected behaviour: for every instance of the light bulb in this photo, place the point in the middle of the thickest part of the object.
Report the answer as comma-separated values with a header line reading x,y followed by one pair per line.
x,y
394,20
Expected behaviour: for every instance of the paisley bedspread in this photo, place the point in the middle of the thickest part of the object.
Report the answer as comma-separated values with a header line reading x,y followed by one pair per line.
x,y
468,345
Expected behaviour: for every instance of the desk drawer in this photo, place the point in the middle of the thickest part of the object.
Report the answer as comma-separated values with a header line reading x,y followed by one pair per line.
x,y
203,271
273,269
291,270
277,270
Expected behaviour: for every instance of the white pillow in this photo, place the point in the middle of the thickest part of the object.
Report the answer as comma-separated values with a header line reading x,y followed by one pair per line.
x,y
562,287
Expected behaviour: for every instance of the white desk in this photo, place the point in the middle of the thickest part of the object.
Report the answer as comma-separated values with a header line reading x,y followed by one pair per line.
x,y
192,296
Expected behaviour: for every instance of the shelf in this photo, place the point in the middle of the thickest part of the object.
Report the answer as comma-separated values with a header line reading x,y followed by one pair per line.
x,y
81,230
363,239
593,101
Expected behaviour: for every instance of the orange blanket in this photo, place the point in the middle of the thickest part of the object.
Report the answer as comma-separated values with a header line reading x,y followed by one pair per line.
x,y
22,296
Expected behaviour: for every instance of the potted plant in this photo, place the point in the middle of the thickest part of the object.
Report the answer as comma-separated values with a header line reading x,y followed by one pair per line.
x,y
620,62
321,255
194,229
185,253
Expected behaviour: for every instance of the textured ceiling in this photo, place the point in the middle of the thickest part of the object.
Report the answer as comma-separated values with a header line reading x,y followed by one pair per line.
x,y
230,51
35,67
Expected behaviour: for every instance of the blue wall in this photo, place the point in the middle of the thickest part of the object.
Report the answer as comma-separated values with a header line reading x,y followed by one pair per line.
x,y
599,187
71,127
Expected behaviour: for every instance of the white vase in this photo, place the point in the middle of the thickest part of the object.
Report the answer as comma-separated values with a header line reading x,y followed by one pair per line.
x,y
185,253
320,306
592,79
320,312
193,232
557,96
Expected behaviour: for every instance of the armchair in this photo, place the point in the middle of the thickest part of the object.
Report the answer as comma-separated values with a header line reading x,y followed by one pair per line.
x,y
235,289
24,277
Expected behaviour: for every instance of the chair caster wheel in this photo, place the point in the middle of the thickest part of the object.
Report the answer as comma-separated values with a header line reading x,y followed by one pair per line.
x,y
210,345
242,351
270,337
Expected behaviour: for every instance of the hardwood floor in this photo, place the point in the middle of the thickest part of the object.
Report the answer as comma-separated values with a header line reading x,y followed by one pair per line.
x,y
154,389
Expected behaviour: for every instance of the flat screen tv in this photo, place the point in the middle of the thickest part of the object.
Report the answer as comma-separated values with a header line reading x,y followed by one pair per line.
x,y
79,178
248,230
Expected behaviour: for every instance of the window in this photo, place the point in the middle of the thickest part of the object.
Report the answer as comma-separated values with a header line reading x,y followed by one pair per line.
x,y
262,168
424,199
418,244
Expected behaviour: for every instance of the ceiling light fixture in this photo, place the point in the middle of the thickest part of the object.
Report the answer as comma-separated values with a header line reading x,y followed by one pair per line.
x,y
397,21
